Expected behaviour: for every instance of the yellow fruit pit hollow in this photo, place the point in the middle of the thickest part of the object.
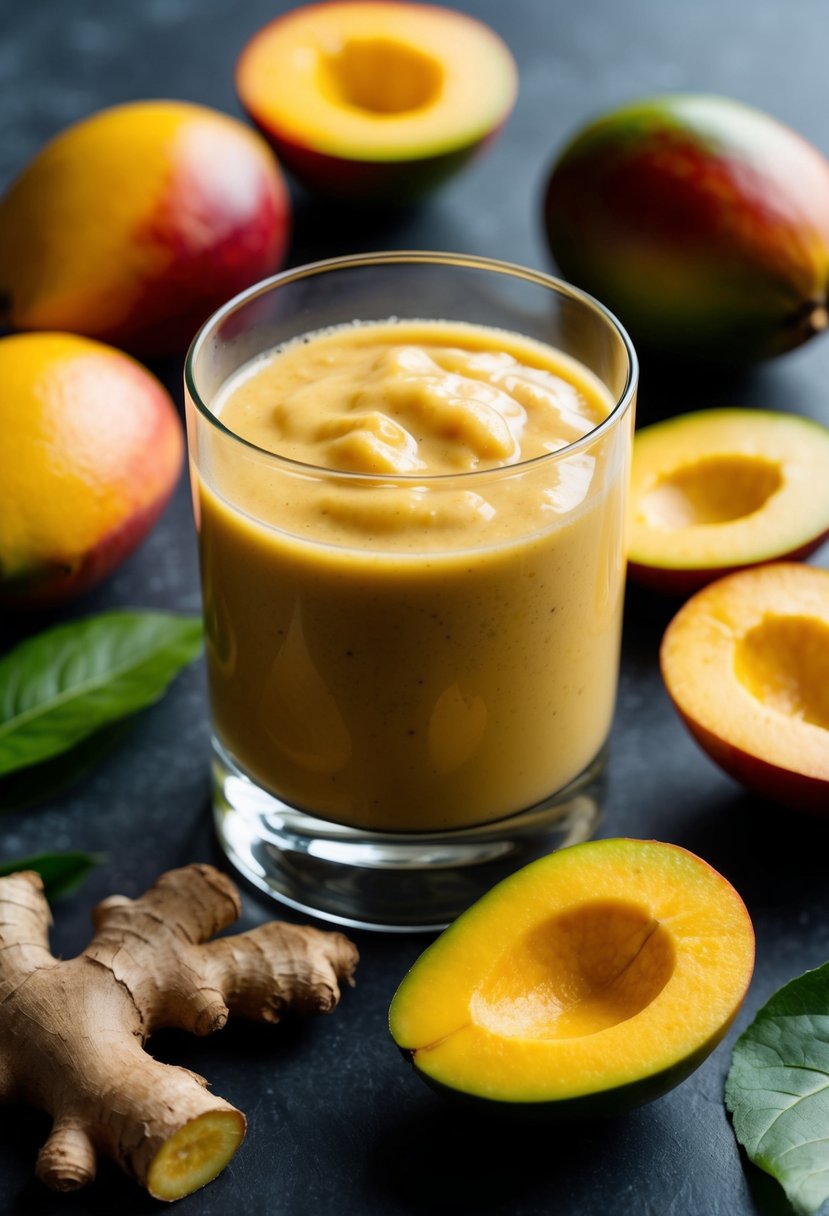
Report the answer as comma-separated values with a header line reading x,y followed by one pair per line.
x,y
576,974
195,1154
710,491
784,663
380,77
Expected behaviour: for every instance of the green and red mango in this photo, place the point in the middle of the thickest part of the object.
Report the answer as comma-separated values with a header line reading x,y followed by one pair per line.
x,y
701,222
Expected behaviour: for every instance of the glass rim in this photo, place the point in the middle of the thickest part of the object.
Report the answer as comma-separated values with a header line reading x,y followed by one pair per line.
x,y
412,257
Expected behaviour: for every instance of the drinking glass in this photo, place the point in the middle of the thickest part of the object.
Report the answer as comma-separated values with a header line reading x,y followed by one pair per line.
x,y
397,728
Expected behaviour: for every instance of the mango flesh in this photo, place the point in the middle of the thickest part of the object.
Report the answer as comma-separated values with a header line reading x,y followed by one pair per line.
x,y
746,663
93,447
718,490
592,980
701,222
376,100
134,224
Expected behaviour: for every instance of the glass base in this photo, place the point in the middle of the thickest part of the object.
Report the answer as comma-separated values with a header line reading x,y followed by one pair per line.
x,y
393,882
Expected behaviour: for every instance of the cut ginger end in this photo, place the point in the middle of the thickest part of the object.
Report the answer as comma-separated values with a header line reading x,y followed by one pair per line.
x,y
195,1154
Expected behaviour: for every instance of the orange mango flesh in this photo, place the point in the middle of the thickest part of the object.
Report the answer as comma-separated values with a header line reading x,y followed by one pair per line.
x,y
717,490
590,970
377,81
91,442
746,662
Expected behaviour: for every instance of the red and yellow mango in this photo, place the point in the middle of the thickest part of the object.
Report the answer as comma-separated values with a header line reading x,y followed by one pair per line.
x,y
92,449
134,224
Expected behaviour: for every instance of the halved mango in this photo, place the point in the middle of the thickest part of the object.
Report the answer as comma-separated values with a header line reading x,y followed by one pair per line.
x,y
376,99
746,663
592,980
714,491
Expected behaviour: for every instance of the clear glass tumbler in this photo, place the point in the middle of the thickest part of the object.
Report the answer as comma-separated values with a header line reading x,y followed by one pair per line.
x,y
397,727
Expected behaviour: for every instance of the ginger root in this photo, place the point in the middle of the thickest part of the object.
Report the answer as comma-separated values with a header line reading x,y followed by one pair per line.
x,y
72,1032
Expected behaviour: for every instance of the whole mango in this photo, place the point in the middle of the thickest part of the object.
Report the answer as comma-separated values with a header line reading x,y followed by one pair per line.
x,y
92,450
134,224
701,222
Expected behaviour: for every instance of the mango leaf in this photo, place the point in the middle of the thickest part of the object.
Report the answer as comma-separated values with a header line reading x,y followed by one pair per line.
x,y
63,685
778,1089
61,872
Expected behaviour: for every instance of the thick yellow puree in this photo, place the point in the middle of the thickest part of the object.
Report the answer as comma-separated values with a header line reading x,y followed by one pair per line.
x,y
427,638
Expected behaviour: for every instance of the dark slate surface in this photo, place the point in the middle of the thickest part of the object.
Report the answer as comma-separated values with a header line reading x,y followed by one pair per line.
x,y
338,1125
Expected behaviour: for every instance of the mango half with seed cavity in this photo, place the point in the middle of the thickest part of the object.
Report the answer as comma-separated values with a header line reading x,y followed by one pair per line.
x,y
591,981
376,100
701,222
718,490
746,663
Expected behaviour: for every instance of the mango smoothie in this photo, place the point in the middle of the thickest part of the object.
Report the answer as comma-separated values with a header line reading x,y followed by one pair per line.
x,y
413,619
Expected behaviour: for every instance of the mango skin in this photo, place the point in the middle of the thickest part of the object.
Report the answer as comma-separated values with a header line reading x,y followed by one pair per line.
x,y
679,583
134,224
394,183
56,581
95,450
701,222
604,1104
771,782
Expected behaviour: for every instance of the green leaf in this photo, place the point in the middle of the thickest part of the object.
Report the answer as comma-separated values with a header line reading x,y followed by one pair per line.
x,y
61,872
63,685
39,783
778,1089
